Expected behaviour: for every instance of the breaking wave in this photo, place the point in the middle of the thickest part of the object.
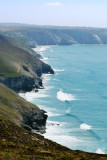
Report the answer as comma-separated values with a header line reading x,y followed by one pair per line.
x,y
59,70
85,126
65,96
99,151
68,111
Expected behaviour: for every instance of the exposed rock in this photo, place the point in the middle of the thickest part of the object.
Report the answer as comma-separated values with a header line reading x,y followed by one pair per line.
x,y
25,68
36,90
26,127
35,120
46,68
22,83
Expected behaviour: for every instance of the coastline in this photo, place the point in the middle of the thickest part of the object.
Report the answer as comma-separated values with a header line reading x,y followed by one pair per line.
x,y
53,125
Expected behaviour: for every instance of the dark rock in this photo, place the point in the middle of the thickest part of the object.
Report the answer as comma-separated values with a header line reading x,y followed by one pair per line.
x,y
25,68
35,120
22,83
26,127
36,90
46,68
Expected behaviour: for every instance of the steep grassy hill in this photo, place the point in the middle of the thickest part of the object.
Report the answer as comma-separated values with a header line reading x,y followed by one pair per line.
x,y
19,44
19,111
20,70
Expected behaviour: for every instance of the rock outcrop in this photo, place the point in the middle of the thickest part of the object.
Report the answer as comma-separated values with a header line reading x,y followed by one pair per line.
x,y
35,120
22,83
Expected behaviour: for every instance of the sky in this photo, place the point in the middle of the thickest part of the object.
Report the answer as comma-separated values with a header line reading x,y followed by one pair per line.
x,y
89,13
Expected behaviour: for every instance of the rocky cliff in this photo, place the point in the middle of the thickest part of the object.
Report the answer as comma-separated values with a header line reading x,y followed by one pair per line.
x,y
58,35
19,70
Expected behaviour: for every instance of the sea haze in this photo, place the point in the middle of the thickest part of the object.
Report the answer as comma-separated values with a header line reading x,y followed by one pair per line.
x,y
75,97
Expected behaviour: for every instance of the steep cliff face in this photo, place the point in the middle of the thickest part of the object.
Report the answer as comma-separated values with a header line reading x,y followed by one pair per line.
x,y
59,35
22,83
19,70
35,120
46,68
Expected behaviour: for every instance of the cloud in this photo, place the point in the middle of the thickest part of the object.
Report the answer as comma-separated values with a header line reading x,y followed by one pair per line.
x,y
54,4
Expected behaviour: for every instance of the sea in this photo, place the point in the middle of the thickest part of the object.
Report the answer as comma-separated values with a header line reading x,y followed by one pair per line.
x,y
75,97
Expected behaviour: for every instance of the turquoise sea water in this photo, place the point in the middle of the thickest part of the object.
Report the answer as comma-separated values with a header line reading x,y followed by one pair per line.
x,y
76,96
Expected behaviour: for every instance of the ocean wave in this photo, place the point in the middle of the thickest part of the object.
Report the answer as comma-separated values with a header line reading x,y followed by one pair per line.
x,y
50,111
85,126
58,134
41,48
30,96
45,58
68,111
65,96
59,70
46,77
100,151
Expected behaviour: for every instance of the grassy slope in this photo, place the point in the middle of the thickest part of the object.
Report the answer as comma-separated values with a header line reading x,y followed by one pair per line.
x,y
12,60
19,144
18,43
11,105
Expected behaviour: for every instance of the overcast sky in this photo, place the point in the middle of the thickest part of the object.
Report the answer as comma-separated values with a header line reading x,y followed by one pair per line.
x,y
91,13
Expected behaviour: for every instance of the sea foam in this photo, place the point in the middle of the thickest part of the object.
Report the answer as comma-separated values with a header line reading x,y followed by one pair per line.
x,y
85,126
99,151
59,70
40,49
56,132
68,111
30,96
65,96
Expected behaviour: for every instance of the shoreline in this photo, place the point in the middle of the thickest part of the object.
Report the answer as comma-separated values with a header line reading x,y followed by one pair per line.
x,y
52,125
83,126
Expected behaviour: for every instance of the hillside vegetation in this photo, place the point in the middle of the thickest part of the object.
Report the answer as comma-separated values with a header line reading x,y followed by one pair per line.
x,y
20,70
19,144
19,111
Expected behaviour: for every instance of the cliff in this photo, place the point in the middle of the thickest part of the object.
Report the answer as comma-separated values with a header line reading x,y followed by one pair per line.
x,y
20,70
40,35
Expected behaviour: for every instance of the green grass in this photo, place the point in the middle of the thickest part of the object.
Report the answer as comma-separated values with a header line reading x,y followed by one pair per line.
x,y
7,70
12,105
12,60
